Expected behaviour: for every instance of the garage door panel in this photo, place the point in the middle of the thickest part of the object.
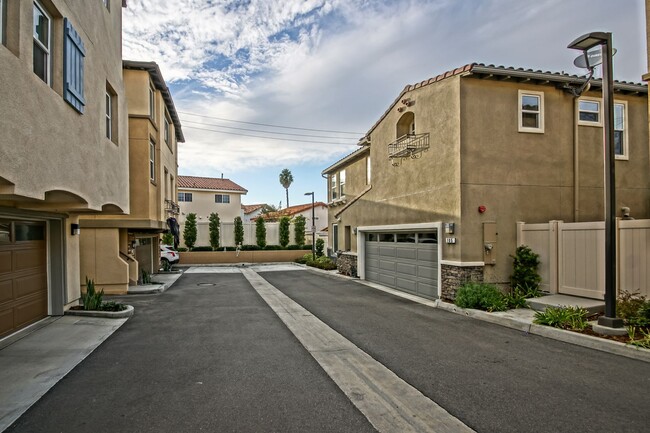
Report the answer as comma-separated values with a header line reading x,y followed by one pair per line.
x,y
407,253
406,268
387,265
5,262
6,321
6,291
387,279
427,272
28,285
30,311
372,263
372,248
29,259
428,255
427,289
385,251
406,284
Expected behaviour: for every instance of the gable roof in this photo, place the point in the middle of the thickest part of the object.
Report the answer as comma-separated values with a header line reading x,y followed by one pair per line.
x,y
250,208
503,73
291,210
209,183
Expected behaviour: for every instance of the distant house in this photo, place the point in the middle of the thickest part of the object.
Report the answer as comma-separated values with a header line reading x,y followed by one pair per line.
x,y
432,197
251,211
205,195
320,212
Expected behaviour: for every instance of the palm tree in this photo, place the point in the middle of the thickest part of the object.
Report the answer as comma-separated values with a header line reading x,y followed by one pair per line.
x,y
285,180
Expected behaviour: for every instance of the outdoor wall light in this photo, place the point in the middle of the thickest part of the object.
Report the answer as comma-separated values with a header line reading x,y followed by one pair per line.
x,y
74,229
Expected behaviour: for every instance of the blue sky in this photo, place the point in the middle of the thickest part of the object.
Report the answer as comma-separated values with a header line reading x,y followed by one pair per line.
x,y
336,65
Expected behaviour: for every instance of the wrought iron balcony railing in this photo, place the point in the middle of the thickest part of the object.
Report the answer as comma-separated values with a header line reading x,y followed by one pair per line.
x,y
172,207
408,146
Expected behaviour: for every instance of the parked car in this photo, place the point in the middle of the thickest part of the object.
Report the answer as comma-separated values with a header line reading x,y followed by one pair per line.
x,y
168,254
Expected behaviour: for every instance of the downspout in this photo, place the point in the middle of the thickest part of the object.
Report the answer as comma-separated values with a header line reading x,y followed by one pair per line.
x,y
576,162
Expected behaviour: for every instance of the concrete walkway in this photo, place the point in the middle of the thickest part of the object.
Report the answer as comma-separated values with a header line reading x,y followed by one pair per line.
x,y
32,365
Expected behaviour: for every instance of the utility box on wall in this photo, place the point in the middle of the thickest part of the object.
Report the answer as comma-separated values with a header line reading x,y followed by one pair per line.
x,y
490,243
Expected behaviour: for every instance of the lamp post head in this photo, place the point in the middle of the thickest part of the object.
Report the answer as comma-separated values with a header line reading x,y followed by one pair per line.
x,y
590,40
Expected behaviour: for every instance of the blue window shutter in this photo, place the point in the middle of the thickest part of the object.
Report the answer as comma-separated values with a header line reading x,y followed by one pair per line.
x,y
73,67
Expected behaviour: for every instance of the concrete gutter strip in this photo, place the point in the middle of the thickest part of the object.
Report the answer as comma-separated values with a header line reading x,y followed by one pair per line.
x,y
389,403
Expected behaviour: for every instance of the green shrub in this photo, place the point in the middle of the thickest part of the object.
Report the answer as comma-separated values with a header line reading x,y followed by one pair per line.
x,y
189,232
202,248
633,308
320,246
146,278
284,231
168,238
166,266
481,296
112,306
643,342
213,227
525,265
517,297
239,231
323,263
304,259
182,250
298,247
563,317
250,248
91,299
260,232
299,229
273,247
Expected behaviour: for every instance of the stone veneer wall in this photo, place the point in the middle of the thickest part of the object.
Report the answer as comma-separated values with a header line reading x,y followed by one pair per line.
x,y
346,263
455,276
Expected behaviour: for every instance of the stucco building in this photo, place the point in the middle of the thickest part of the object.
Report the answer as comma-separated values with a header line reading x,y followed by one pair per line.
x,y
63,150
432,196
116,249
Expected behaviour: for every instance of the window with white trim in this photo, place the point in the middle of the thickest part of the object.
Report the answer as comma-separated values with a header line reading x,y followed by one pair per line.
x,y
3,22
621,147
222,198
109,115
342,183
152,160
184,196
589,112
531,111
42,29
333,187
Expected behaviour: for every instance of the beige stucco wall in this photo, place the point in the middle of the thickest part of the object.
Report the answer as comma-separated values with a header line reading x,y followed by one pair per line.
x,y
418,190
101,260
203,205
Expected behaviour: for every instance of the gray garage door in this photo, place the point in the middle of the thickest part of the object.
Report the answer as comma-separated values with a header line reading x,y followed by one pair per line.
x,y
404,261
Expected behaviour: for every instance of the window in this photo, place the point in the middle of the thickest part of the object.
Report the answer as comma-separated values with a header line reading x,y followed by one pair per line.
x,y
405,238
42,41
386,237
531,111
184,196
3,22
342,183
335,238
107,3
73,67
371,237
589,112
152,106
166,131
368,171
620,130
152,160
221,198
428,238
333,188
109,116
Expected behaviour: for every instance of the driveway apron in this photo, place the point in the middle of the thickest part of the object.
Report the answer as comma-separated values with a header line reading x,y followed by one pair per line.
x,y
492,378
207,355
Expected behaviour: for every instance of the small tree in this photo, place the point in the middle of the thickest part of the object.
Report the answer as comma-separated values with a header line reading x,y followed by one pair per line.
x,y
168,238
214,230
189,232
260,232
284,231
239,231
299,229
525,265
320,246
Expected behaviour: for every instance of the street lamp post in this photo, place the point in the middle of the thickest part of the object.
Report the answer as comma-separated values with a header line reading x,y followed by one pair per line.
x,y
585,43
313,227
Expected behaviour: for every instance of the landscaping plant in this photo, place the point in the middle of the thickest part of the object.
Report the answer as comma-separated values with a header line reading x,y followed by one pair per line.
x,y
189,232
299,223
525,266
168,238
320,246
481,296
213,227
146,278
260,232
563,317
284,231
91,299
239,231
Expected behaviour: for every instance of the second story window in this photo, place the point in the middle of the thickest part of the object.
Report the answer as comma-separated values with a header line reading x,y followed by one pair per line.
x,y
107,4
184,196
109,116
152,105
589,112
342,183
3,22
222,198
368,171
42,41
620,131
152,160
531,111
333,187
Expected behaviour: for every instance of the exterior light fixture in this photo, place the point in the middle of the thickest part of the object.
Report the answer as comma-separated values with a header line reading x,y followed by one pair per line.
x,y
74,229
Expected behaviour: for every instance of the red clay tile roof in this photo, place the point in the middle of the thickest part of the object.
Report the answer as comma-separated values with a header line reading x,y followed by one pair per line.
x,y
291,210
210,183
250,208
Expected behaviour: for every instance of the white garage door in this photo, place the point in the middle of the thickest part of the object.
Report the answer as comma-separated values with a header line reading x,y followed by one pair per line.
x,y
404,261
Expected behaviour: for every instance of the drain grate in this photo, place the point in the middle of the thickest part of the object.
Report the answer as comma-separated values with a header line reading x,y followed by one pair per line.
x,y
206,284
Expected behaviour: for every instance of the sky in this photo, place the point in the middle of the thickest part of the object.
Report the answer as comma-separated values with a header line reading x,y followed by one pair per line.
x,y
263,85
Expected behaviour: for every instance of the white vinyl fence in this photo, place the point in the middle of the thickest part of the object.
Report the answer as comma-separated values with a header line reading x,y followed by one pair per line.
x,y
572,256
227,234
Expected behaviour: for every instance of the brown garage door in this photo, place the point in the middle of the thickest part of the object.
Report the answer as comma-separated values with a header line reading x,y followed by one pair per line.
x,y
23,275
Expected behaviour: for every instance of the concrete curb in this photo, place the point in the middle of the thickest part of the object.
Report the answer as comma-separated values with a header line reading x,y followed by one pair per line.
x,y
104,314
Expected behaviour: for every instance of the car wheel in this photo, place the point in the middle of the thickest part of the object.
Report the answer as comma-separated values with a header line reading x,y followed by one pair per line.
x,y
164,262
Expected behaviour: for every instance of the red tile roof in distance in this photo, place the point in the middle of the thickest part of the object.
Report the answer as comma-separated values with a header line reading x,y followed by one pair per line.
x,y
292,210
249,208
210,183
